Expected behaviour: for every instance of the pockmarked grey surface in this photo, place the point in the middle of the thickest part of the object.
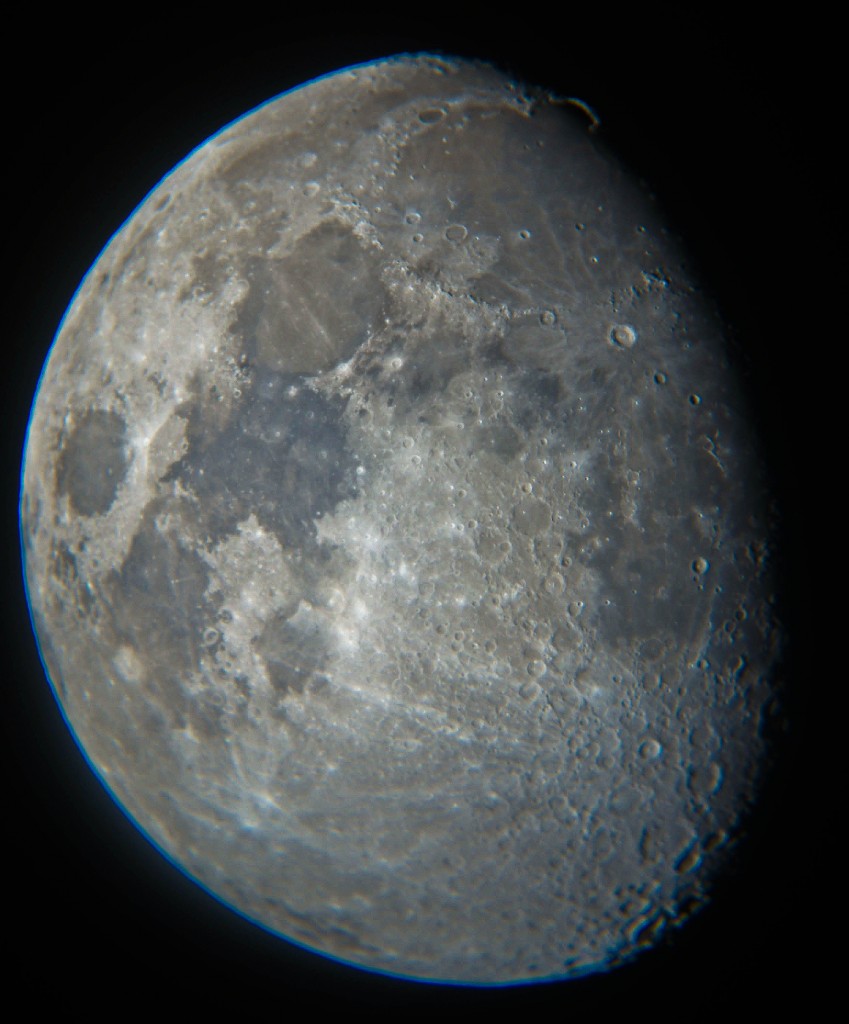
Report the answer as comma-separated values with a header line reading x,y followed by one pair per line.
x,y
395,541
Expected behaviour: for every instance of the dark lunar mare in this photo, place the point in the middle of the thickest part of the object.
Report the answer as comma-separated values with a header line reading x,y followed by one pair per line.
x,y
283,456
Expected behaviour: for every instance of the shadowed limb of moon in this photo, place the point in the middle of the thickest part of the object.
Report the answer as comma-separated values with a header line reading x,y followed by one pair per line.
x,y
394,539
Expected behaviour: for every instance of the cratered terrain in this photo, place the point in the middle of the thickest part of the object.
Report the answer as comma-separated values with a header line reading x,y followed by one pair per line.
x,y
395,537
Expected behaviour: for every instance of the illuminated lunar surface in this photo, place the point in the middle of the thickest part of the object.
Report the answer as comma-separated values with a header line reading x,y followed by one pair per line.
x,y
395,539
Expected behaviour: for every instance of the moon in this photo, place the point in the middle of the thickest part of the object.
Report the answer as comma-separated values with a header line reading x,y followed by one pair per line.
x,y
395,536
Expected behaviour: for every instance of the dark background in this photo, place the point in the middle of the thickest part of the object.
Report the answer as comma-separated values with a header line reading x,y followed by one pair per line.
x,y
730,123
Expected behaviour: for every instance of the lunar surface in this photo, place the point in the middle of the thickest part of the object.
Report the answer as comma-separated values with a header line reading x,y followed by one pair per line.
x,y
395,540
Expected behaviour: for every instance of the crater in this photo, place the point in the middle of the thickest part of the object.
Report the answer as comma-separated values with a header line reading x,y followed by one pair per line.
x,y
294,652
93,462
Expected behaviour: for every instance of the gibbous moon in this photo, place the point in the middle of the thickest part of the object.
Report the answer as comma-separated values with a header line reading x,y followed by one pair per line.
x,y
395,538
